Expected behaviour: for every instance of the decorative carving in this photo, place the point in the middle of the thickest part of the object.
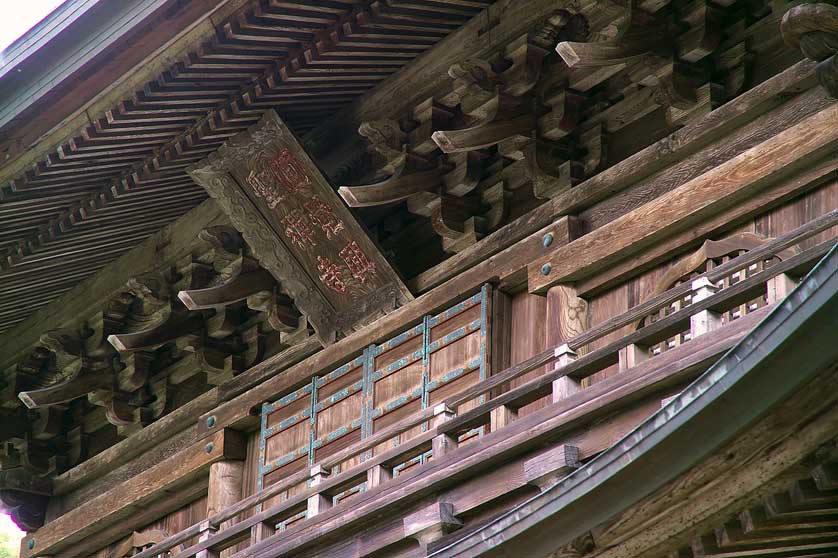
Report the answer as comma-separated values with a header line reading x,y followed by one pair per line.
x,y
299,241
813,29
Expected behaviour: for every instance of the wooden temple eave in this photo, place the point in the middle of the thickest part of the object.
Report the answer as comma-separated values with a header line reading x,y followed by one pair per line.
x,y
756,421
467,478
226,368
132,153
659,166
122,351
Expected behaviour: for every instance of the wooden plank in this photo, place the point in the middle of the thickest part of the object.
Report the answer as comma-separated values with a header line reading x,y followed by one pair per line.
x,y
813,177
154,434
141,517
554,423
121,502
167,245
713,191
299,229
688,140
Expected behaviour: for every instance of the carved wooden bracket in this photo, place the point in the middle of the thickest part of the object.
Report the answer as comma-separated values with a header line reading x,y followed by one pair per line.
x,y
431,523
813,28
299,231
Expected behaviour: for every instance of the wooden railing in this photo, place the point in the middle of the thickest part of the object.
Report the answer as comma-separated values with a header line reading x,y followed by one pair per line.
x,y
702,315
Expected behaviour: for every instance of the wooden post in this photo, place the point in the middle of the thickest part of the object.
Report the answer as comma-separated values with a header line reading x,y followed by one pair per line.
x,y
501,417
779,287
207,531
318,503
260,532
565,386
567,317
632,355
567,314
706,320
377,475
442,443
225,489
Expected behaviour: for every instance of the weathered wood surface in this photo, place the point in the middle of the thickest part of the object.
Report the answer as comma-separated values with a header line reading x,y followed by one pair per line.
x,y
167,245
689,140
299,230
782,155
335,140
667,518
239,408
685,359
120,503
813,28
505,264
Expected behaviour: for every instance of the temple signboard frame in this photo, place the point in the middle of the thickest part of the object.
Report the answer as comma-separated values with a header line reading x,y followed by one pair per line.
x,y
300,230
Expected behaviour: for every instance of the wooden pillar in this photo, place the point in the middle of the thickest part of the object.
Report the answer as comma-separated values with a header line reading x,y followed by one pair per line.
x,y
779,287
225,489
706,320
442,443
567,317
225,485
318,503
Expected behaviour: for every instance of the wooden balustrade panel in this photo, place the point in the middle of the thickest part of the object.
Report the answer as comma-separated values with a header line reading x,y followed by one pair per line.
x,y
768,224
174,522
528,337
439,357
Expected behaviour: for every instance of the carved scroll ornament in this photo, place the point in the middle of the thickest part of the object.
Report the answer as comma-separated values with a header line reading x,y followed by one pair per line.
x,y
813,28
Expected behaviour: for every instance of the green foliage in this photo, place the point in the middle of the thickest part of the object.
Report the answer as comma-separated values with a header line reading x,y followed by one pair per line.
x,y
9,546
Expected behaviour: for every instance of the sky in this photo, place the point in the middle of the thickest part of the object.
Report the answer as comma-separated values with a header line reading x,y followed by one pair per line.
x,y
10,535
20,15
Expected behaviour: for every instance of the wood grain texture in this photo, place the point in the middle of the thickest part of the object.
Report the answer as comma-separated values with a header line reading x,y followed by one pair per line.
x,y
119,503
779,156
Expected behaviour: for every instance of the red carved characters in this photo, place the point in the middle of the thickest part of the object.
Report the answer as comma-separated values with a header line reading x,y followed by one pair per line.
x,y
330,275
289,171
264,185
298,230
360,266
322,216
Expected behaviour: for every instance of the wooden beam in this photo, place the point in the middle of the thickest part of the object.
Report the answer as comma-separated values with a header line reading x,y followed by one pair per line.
x,y
167,245
299,230
683,143
336,140
756,168
74,529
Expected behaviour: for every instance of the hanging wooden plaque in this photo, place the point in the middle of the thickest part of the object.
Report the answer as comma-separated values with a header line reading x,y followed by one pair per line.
x,y
300,230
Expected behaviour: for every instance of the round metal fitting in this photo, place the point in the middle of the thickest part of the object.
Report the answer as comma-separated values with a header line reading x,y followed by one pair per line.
x,y
547,240
210,447
545,269
31,544
210,422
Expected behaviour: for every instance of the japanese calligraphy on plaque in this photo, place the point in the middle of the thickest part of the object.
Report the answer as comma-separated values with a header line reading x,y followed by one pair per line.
x,y
299,229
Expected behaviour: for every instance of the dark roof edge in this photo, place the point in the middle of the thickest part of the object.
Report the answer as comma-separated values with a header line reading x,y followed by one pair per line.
x,y
61,18
741,387
111,25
